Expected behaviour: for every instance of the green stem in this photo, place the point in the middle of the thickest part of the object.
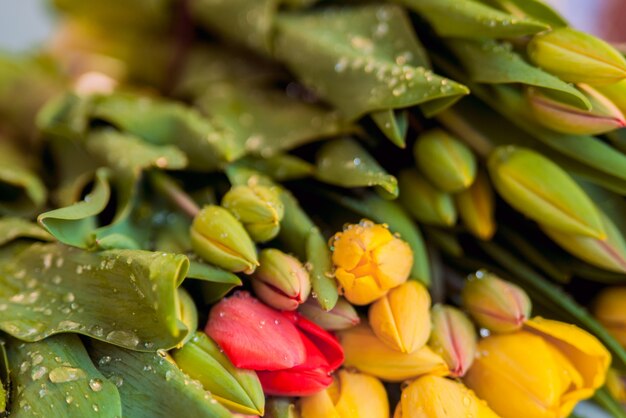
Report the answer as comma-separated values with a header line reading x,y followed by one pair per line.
x,y
172,191
464,130
608,402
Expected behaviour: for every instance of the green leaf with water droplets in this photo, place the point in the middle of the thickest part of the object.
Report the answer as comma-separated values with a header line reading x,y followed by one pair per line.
x,y
151,386
125,297
344,162
535,9
393,124
56,378
472,19
214,282
14,228
361,59
493,62
21,190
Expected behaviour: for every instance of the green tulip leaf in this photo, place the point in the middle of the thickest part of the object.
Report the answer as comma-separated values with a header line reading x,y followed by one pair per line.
x,y
56,378
492,62
535,9
393,124
65,116
472,19
280,167
360,59
21,190
14,228
344,162
75,167
124,297
215,283
150,386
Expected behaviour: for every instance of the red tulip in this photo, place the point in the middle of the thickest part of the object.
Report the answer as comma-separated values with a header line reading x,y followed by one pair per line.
x,y
292,355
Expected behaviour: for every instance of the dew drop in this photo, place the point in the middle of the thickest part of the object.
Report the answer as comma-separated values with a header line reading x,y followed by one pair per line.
x,y
66,374
95,384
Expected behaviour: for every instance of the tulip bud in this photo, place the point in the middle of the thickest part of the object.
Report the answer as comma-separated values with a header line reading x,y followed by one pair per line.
x,y
258,208
401,318
495,304
521,177
476,207
219,238
365,352
609,253
610,309
236,389
577,57
549,111
424,201
281,280
453,337
438,397
342,316
188,313
447,162
280,408
352,395
616,93
369,260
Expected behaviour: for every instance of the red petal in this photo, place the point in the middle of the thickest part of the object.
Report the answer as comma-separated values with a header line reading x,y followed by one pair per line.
x,y
294,383
326,343
254,336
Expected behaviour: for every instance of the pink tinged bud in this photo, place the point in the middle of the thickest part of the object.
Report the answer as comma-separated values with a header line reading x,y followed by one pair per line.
x,y
342,316
453,337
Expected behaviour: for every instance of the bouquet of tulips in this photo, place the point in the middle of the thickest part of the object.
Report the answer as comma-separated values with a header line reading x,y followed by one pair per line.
x,y
310,209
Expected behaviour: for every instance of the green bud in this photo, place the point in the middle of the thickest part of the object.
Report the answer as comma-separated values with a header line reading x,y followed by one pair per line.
x,y
616,93
447,162
281,280
609,254
495,304
188,313
220,239
237,389
543,191
341,316
424,201
281,408
577,57
258,208
453,337
603,117
476,207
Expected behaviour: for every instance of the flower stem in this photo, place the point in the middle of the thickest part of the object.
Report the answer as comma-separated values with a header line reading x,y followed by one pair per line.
x,y
165,185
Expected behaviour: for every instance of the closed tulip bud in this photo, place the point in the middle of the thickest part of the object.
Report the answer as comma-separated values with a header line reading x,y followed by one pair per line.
x,y
608,253
616,93
352,395
341,316
438,397
577,57
281,281
543,191
424,201
447,162
549,111
610,309
258,208
281,408
365,352
453,337
476,207
495,304
401,318
369,260
219,238
237,389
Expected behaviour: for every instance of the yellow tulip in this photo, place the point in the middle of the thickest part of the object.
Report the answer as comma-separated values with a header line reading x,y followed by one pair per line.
x,y
352,395
438,397
610,309
401,319
365,352
369,260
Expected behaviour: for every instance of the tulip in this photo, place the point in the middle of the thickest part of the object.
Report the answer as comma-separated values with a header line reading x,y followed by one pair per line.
x,y
352,395
577,57
341,316
610,309
438,397
616,93
495,304
220,239
237,389
521,177
454,338
549,111
365,352
369,260
292,356
476,207
258,208
447,162
424,201
401,318
281,281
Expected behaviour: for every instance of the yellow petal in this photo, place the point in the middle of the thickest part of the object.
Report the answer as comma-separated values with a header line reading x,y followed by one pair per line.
x,y
583,350
365,352
394,261
319,405
361,396
438,397
401,319
359,290
610,309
